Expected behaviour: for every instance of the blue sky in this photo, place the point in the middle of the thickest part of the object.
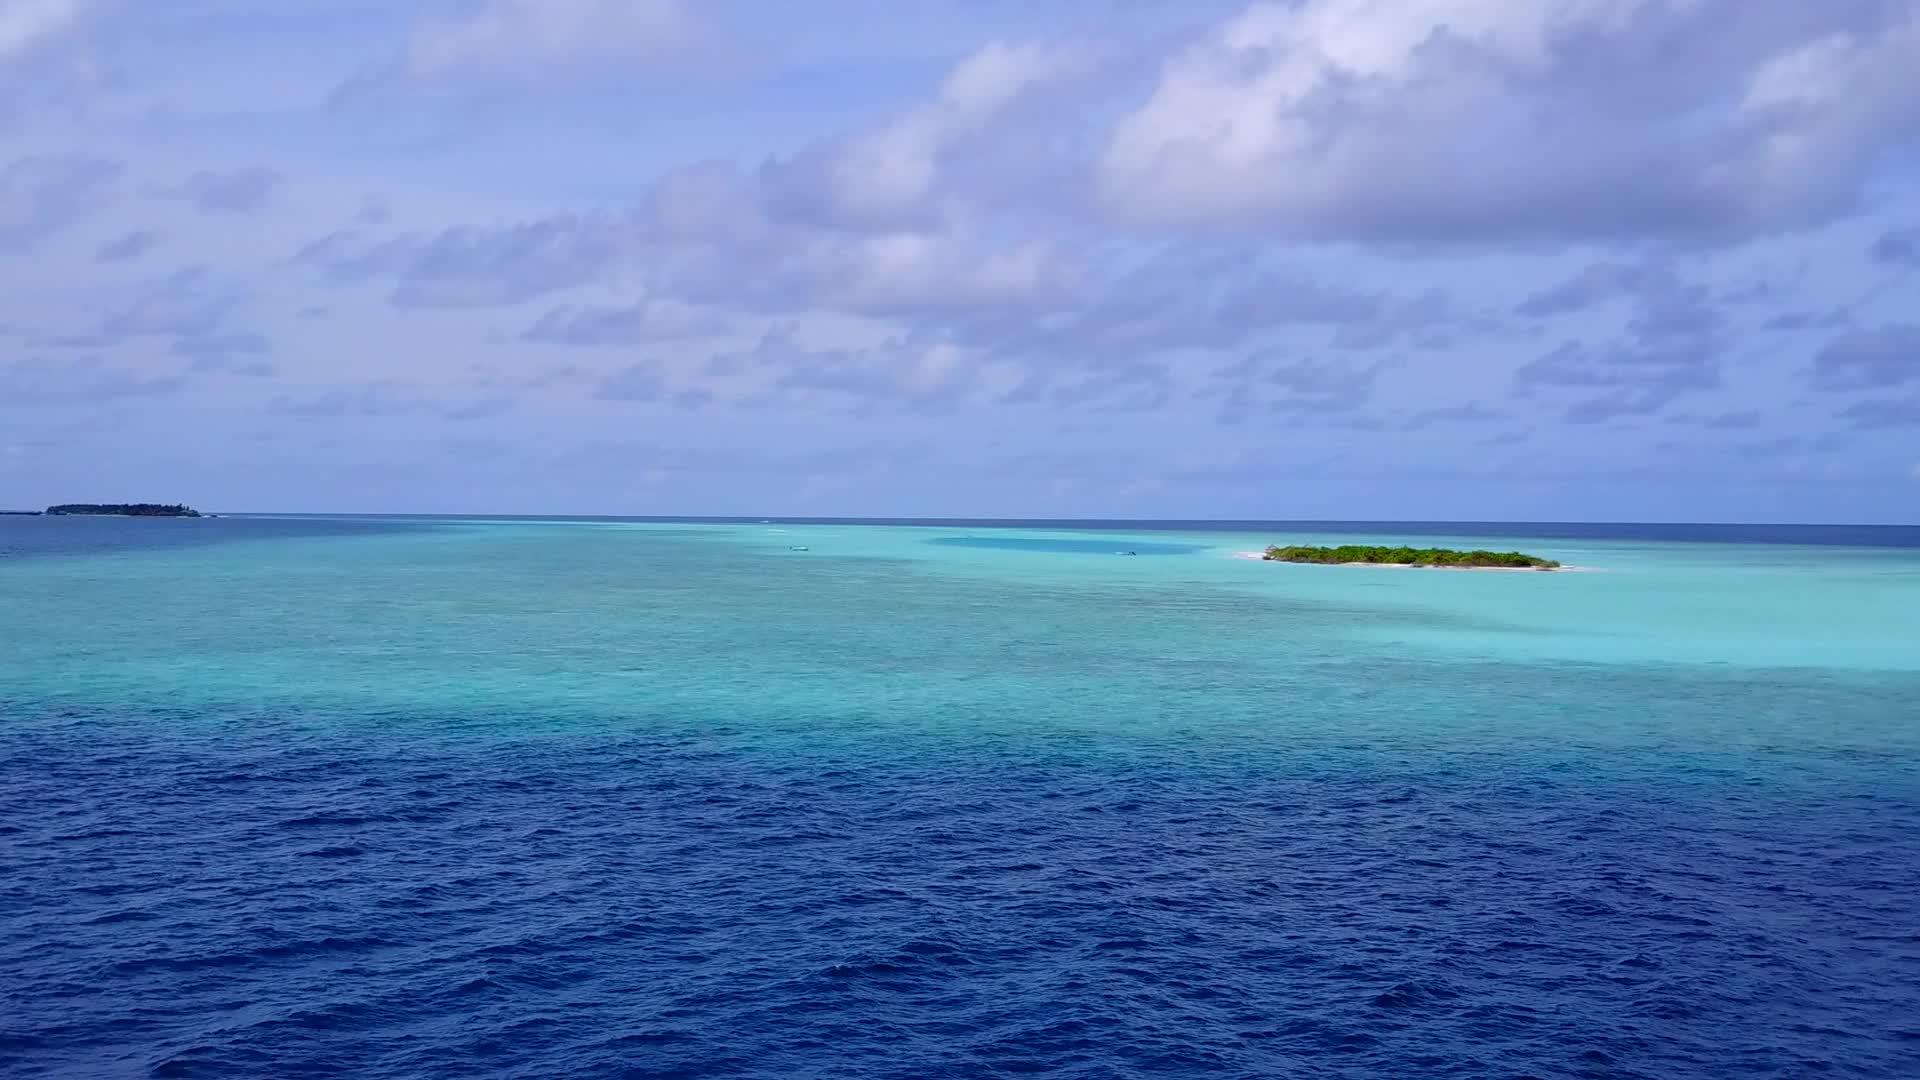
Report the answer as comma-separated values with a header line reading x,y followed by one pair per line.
x,y
1457,259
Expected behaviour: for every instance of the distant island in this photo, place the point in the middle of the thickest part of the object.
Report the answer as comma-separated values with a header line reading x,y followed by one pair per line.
x,y
170,510
1406,556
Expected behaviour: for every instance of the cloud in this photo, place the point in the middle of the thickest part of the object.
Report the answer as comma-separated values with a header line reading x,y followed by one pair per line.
x,y
784,462
1897,247
525,41
1743,420
1471,413
481,409
85,381
889,221
233,353
1322,385
1671,338
1809,320
189,303
866,224
1682,316
1207,297
636,383
127,247
1884,413
641,323
350,256
1597,284
1869,359
1305,385
42,195
1106,384
518,379
1353,120
26,23
372,399
921,374
477,266
911,372
1506,438
236,191
923,274
49,70
1637,379
191,307
892,176
699,226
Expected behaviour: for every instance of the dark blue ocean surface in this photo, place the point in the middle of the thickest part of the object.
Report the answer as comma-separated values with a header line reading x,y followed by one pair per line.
x,y
273,904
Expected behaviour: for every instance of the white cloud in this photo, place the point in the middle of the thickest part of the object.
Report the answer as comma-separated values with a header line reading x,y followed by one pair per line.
x,y
995,76
1343,117
1825,107
25,23
700,226
892,173
1239,97
931,271
561,38
1239,123
905,370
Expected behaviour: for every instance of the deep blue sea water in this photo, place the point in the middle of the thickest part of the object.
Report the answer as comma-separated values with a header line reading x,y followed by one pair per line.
x,y
401,798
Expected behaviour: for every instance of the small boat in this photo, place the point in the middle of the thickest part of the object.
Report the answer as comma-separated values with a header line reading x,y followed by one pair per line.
x,y
798,549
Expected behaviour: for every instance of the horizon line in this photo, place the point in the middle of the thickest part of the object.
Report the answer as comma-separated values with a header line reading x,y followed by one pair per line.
x,y
875,519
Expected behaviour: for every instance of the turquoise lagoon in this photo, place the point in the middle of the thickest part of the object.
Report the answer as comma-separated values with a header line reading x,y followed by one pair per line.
x,y
938,631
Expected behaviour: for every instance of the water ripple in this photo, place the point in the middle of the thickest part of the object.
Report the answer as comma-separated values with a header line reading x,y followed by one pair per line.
x,y
661,907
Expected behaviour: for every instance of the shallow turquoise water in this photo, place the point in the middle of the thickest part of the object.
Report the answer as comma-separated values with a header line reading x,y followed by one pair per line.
x,y
513,798
941,631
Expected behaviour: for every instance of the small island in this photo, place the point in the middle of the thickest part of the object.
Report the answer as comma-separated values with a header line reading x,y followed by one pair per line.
x,y
169,510
1355,554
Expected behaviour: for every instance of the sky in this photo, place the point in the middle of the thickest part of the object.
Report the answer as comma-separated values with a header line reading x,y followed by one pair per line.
x,y
1652,260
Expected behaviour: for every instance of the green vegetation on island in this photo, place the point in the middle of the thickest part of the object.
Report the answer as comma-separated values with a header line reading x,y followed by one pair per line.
x,y
1406,556
172,510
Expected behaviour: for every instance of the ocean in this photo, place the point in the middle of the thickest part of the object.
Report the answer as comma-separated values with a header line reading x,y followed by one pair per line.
x,y
430,797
